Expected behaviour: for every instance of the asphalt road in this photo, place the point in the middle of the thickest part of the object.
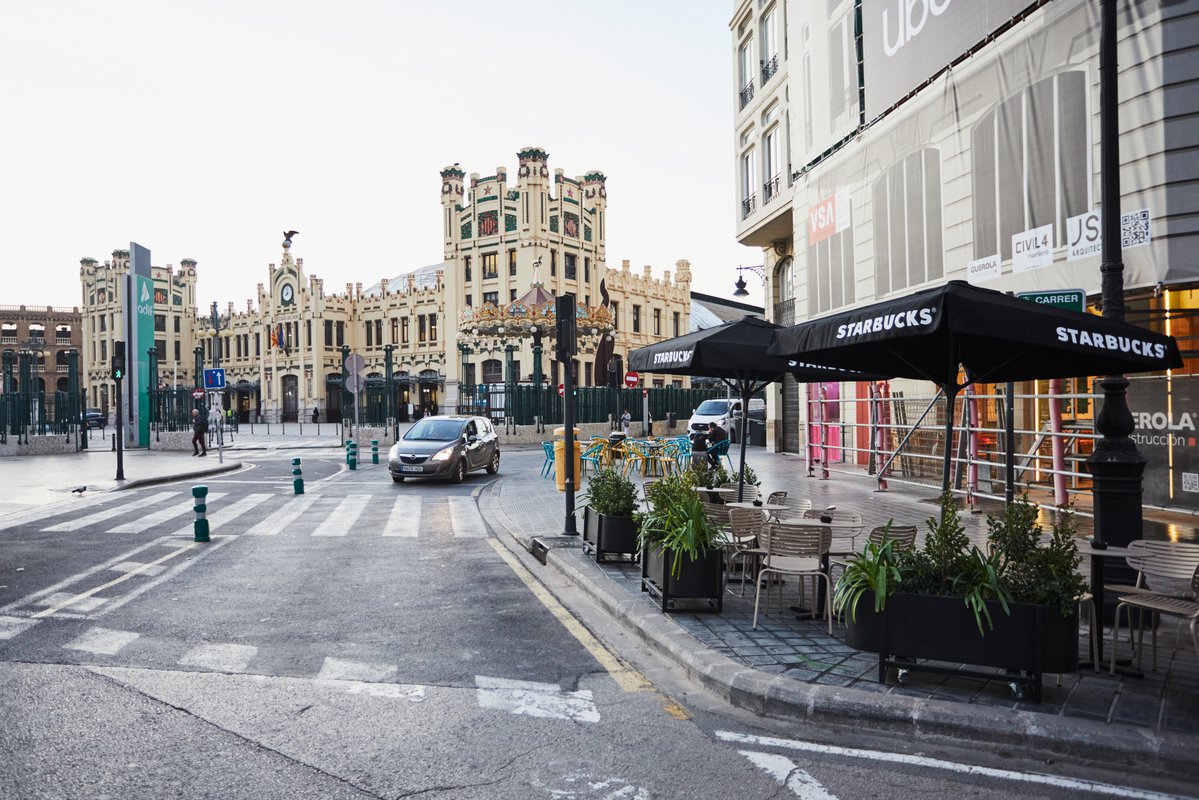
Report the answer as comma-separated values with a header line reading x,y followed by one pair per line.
x,y
367,639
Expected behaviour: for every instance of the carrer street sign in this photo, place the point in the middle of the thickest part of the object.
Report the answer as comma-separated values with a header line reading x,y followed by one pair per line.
x,y
1073,299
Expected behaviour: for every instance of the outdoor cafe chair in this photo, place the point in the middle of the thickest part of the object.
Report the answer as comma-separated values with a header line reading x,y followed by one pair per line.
x,y
547,466
594,455
796,549
776,498
847,524
745,525
633,457
720,449
750,492
1160,568
1186,609
902,537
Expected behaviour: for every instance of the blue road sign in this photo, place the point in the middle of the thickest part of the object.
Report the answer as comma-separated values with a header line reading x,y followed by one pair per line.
x,y
214,379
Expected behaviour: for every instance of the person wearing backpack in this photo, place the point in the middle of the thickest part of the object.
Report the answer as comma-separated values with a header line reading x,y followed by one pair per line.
x,y
199,428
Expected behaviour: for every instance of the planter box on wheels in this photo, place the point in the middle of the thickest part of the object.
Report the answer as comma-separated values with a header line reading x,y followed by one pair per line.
x,y
699,582
609,535
1033,640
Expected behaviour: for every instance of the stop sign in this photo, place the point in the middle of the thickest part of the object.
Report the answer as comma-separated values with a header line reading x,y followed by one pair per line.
x,y
631,379
562,390
198,393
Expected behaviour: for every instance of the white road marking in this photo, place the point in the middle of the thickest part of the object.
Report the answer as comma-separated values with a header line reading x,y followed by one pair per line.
x,y
223,516
136,566
405,517
278,521
158,517
400,691
32,515
950,766
11,626
104,641
85,601
784,770
342,519
131,508
465,518
533,699
220,657
340,669
77,602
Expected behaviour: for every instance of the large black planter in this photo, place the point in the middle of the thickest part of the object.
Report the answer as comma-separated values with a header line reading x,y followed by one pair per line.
x,y
700,583
1032,640
609,535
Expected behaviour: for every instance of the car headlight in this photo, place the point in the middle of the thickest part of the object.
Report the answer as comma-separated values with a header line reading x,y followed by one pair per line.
x,y
443,454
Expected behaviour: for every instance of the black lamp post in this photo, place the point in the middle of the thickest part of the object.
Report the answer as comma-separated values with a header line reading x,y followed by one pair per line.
x,y
1115,464
741,291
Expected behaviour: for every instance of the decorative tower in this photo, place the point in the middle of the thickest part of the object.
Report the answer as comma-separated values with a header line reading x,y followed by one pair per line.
x,y
451,204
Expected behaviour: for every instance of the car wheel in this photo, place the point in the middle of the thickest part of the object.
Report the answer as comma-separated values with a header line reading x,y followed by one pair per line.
x,y
397,478
494,465
459,472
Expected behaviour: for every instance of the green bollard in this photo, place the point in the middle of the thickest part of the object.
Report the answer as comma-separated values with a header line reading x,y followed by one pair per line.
x,y
353,455
200,494
298,481
374,451
349,447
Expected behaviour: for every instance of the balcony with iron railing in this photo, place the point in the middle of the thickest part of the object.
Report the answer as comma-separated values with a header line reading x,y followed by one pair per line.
x,y
770,190
747,94
784,312
748,205
769,67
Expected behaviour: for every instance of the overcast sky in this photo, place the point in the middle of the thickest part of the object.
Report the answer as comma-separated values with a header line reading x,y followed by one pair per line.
x,y
204,129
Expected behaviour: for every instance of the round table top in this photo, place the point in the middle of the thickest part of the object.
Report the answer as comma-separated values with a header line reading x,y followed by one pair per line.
x,y
762,507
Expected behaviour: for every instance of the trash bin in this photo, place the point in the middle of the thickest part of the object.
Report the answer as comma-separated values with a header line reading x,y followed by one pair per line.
x,y
671,420
757,433
560,461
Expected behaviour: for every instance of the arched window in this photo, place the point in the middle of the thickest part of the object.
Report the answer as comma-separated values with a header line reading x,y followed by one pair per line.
x,y
493,371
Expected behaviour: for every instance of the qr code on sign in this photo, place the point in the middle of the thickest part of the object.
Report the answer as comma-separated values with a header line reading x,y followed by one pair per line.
x,y
1134,228
1190,481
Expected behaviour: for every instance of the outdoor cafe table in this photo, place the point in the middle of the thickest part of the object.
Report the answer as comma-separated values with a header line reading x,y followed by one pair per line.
x,y
767,507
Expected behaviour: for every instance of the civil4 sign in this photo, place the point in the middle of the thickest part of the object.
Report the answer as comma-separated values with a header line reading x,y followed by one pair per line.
x,y
214,379
631,379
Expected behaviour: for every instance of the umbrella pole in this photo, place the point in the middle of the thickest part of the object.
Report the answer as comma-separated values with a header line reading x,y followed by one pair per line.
x,y
745,394
951,393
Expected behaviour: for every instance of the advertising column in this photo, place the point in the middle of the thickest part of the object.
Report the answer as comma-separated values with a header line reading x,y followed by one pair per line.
x,y
139,334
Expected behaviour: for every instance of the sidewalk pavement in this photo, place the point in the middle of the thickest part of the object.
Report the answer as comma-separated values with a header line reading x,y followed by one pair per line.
x,y
793,669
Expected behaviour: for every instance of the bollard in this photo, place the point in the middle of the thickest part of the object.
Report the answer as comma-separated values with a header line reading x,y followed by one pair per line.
x,y
298,481
349,444
353,455
374,451
200,494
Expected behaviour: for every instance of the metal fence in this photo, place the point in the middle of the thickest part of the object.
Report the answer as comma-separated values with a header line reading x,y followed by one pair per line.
x,y
28,414
171,410
522,403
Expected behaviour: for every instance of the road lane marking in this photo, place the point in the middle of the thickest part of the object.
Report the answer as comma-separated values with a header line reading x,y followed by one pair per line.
x,y
82,605
158,517
465,518
109,513
533,699
342,669
220,657
405,517
278,521
411,692
625,676
129,566
339,522
103,641
11,626
29,516
83,596
1056,781
789,775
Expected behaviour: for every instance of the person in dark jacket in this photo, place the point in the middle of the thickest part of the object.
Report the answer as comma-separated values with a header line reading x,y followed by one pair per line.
x,y
199,428
716,435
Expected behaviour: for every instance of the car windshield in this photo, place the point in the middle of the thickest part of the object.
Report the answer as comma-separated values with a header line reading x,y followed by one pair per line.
x,y
712,408
435,430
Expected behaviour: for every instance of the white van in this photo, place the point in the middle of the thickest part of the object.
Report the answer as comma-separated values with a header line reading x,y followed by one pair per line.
x,y
723,413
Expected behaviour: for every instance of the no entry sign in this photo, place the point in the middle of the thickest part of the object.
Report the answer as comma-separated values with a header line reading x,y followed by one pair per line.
x,y
198,393
562,390
631,379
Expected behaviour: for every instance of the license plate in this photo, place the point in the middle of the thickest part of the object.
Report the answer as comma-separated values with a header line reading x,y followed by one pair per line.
x,y
412,469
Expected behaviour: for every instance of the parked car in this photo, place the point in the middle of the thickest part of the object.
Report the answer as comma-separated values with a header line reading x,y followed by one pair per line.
x,y
95,418
722,412
445,447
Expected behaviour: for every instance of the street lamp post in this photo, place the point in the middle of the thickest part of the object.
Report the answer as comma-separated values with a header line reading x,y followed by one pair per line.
x,y
741,291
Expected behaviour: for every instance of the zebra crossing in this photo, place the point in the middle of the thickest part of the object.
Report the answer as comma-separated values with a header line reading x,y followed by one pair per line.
x,y
268,514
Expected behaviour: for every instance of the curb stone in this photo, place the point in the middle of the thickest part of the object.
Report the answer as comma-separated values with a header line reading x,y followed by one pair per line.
x,y
181,476
1083,741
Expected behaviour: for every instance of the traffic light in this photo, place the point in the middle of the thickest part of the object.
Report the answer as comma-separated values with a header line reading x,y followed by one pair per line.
x,y
118,361
564,343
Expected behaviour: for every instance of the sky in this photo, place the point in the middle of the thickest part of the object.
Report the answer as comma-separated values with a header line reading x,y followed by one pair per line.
x,y
204,130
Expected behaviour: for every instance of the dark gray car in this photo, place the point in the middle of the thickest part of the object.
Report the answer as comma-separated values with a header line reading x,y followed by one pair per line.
x,y
445,447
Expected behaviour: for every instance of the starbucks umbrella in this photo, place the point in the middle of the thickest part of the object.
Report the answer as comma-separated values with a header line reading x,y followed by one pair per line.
x,y
994,336
734,352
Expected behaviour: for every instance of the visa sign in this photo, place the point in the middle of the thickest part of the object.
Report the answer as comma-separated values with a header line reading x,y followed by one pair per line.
x,y
831,215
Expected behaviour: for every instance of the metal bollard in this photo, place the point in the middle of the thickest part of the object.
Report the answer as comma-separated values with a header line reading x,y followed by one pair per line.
x,y
353,455
200,494
348,443
374,451
298,481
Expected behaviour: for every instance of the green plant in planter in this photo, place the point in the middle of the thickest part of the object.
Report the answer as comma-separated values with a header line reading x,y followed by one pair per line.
x,y
677,524
609,492
1033,573
875,570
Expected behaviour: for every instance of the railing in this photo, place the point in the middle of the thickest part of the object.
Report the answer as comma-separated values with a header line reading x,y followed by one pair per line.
x,y
769,67
784,312
748,205
747,94
770,190
522,402
25,415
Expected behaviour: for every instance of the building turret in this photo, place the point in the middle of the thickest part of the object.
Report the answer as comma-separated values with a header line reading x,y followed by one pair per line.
x,y
451,205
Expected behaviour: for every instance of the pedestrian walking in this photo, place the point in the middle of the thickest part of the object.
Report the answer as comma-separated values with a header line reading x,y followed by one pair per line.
x,y
199,428
316,415
626,419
